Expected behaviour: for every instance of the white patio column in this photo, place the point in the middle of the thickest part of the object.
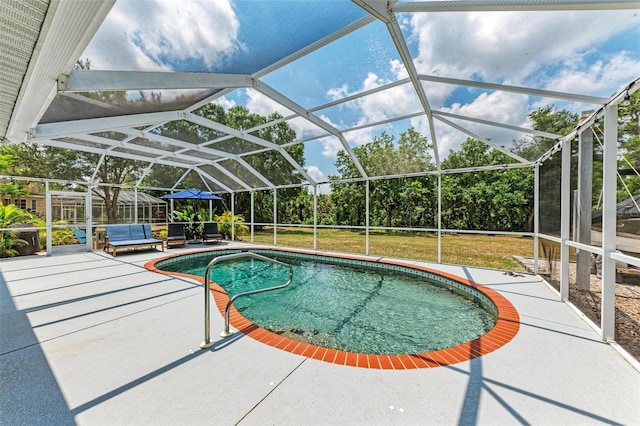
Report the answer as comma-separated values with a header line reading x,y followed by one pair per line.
x,y
315,216
233,216
439,217
583,222
366,223
252,213
88,211
565,216
609,221
49,218
275,217
135,205
536,218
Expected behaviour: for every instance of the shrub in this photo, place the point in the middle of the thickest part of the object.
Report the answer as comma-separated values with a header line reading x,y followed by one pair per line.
x,y
224,225
11,215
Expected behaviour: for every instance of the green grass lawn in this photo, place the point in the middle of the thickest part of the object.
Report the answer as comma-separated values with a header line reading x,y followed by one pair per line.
x,y
473,250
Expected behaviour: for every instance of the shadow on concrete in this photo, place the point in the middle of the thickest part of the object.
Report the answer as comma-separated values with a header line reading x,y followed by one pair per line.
x,y
218,345
30,393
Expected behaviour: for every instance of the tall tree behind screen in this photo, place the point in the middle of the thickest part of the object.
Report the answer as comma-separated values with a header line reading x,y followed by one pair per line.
x,y
393,201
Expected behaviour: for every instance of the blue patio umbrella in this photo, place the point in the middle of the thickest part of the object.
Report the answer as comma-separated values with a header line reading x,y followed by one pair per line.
x,y
191,194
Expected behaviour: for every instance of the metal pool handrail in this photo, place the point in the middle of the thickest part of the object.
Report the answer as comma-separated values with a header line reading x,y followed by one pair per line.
x,y
207,342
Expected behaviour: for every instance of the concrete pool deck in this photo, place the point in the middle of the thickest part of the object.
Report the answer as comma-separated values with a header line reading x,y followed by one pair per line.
x,y
90,339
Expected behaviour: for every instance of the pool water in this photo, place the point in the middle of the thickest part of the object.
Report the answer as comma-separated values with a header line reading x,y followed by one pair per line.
x,y
349,308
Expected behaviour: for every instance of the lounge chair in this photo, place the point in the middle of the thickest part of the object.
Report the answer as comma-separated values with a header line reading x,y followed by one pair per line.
x,y
211,232
176,235
80,235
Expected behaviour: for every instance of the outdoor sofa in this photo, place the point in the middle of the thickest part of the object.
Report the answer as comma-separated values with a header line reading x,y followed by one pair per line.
x,y
130,237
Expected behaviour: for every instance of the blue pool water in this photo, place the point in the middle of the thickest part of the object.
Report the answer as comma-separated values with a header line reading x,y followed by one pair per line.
x,y
350,308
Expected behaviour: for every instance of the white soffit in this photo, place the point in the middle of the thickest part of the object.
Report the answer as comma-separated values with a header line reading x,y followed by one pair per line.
x,y
20,25
65,32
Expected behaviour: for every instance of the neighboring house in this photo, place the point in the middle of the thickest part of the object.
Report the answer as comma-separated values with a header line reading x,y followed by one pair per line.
x,y
31,202
150,209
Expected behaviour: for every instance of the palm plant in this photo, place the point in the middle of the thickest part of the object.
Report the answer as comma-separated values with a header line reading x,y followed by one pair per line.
x,y
193,221
10,215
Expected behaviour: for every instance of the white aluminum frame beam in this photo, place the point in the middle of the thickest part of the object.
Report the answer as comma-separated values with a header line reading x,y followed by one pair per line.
x,y
249,167
278,97
159,153
196,119
511,5
315,46
496,124
104,151
226,173
224,155
202,173
516,89
103,124
361,94
123,124
175,142
90,80
480,138
384,12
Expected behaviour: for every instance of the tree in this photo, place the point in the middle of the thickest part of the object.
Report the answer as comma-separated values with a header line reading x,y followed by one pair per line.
x,y
547,120
391,200
270,164
118,171
487,200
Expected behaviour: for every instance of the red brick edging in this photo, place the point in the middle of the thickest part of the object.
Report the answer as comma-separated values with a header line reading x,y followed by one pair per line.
x,y
503,332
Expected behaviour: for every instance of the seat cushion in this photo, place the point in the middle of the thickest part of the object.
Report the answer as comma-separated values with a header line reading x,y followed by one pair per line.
x,y
147,230
137,232
118,233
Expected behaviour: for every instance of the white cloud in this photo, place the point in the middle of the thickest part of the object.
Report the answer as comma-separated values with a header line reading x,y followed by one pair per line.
x,y
601,77
499,107
378,106
359,137
506,47
509,46
330,147
389,103
315,173
225,103
150,35
258,103
322,189
338,92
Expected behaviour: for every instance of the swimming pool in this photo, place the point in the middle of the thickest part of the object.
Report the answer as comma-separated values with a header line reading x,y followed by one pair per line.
x,y
352,304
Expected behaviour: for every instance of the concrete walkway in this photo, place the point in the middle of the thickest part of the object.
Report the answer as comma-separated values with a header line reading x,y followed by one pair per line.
x,y
91,339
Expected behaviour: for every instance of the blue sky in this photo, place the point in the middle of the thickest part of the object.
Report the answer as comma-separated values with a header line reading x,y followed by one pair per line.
x,y
593,53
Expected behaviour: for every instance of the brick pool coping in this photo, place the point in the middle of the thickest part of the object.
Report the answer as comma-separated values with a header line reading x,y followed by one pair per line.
x,y
505,329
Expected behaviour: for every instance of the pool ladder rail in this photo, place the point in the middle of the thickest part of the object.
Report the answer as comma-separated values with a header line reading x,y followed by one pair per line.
x,y
207,342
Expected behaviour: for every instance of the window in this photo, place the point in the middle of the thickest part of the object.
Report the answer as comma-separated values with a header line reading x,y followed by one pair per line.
x,y
22,204
34,205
